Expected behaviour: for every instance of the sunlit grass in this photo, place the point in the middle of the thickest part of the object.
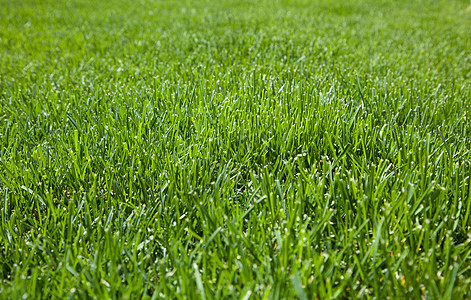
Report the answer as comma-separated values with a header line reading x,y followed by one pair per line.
x,y
215,149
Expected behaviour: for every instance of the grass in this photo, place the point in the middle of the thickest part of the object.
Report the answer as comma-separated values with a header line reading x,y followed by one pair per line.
x,y
235,149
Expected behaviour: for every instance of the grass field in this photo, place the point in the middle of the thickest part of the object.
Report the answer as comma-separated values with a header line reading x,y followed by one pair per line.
x,y
235,149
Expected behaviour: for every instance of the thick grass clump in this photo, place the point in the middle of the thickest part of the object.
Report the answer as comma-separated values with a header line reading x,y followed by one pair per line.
x,y
235,149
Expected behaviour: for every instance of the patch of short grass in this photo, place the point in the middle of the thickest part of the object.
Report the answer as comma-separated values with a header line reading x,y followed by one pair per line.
x,y
242,149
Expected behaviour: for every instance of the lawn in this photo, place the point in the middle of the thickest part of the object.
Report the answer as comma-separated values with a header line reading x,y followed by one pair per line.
x,y
268,149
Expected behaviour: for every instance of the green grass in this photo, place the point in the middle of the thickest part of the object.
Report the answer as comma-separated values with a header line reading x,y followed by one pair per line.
x,y
235,149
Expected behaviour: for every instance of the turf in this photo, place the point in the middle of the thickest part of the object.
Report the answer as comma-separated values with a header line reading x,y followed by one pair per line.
x,y
235,149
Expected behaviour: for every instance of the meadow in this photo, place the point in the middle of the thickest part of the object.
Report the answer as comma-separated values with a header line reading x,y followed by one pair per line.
x,y
268,149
